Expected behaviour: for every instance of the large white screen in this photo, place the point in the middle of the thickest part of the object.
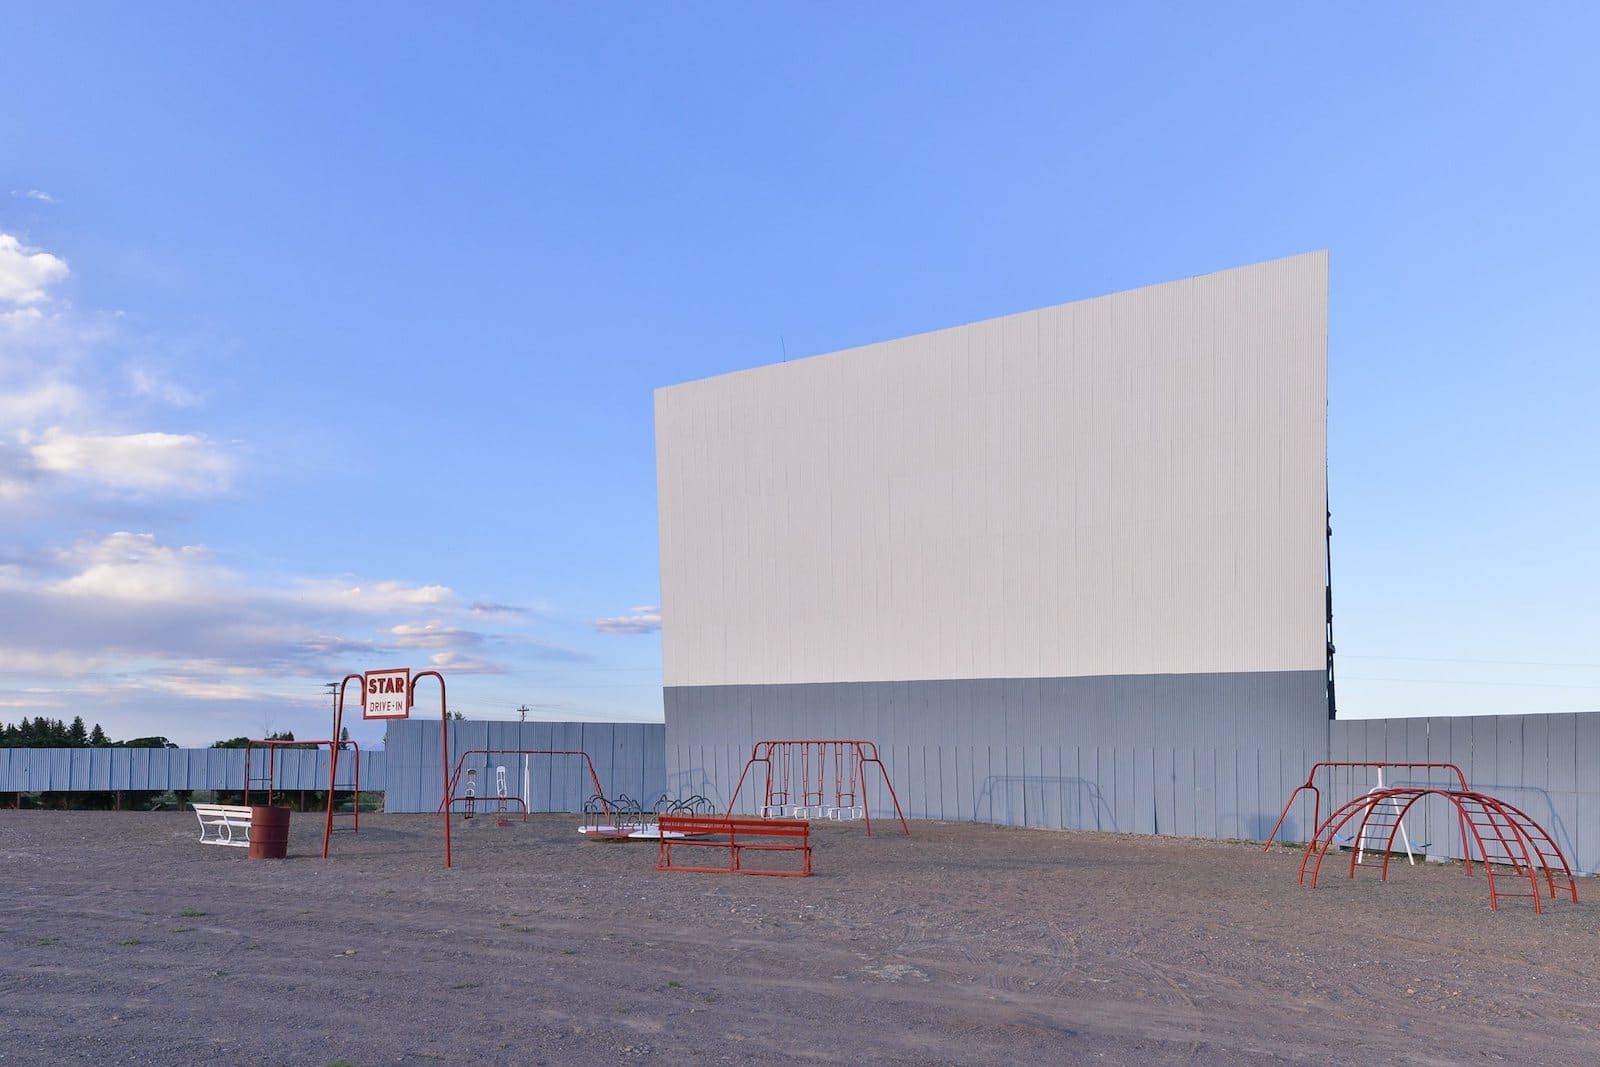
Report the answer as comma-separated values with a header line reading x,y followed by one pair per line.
x,y
1133,484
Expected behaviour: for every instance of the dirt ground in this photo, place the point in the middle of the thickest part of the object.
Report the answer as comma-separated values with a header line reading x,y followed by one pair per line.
x,y
123,940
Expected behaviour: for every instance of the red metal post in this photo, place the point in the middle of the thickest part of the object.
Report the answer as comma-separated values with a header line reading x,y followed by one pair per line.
x,y
444,746
333,763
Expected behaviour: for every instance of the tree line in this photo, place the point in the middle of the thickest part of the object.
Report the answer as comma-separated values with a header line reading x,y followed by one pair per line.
x,y
54,733
44,732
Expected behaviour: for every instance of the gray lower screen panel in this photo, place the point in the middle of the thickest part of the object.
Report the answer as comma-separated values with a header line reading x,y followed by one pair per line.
x,y
1207,755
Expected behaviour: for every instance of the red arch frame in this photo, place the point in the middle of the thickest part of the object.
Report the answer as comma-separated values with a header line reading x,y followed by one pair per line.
x,y
1525,846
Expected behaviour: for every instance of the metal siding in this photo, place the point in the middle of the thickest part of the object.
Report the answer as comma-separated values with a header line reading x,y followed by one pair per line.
x,y
570,776
1164,790
1585,856
1508,762
78,777
973,769
58,763
1414,747
653,741
1586,831
1207,823
628,757
1229,824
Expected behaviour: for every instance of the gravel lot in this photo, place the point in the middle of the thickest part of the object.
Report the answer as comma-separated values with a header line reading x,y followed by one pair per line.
x,y
125,941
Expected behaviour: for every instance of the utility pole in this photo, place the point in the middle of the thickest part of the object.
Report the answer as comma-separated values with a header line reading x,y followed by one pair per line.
x,y
522,713
332,688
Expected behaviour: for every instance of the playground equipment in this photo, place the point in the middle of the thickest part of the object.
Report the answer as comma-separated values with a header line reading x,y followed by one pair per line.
x,y
620,818
802,768
760,836
450,797
395,707
1505,836
691,805
625,819
497,803
1496,833
1337,773
270,773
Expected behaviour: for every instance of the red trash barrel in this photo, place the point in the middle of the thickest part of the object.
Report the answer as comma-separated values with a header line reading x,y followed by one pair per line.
x,y
269,833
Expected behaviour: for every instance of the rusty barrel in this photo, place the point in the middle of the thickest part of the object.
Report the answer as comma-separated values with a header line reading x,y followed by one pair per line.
x,y
269,833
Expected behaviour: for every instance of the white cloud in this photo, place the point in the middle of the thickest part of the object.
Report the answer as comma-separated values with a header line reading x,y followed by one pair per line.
x,y
457,663
18,319
642,620
148,383
137,462
134,566
196,688
32,699
38,402
490,607
378,597
128,603
36,663
57,401
26,274
432,635
34,194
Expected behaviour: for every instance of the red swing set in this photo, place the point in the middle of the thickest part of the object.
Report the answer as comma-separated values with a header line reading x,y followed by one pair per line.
x,y
800,768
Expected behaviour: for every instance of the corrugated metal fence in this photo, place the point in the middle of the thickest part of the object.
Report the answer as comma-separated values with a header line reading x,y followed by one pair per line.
x,y
85,770
1143,789
1547,765
628,758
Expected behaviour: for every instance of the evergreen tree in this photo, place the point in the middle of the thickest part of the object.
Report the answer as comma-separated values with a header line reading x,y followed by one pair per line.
x,y
77,733
98,738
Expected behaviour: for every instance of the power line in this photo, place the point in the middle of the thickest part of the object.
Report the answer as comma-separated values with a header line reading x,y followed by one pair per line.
x,y
1496,662
1459,681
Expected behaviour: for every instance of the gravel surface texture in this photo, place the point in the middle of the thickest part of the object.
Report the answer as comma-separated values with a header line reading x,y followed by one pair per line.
x,y
123,940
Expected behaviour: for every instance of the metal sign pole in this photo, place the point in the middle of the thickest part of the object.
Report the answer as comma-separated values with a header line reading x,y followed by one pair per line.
x,y
444,746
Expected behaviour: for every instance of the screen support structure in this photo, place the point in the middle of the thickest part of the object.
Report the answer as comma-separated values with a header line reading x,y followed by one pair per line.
x,y
444,745
1327,541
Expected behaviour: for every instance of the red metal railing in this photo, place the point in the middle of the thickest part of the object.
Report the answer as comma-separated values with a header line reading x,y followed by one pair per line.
x,y
594,779
1316,793
849,759
493,804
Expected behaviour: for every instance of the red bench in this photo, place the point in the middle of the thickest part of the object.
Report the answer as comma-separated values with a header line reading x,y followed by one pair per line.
x,y
737,836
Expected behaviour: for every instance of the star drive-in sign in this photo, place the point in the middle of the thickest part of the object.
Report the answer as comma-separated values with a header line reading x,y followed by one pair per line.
x,y
386,694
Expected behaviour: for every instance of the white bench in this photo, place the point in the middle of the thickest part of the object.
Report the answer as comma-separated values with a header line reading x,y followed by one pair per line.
x,y
219,821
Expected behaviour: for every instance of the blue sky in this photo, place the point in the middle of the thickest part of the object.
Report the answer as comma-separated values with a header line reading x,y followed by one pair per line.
x,y
328,333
